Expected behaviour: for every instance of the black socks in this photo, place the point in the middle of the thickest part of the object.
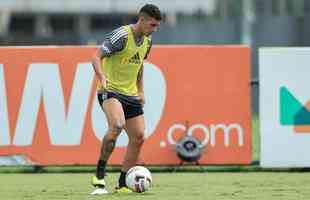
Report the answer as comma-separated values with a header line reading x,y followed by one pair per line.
x,y
100,173
122,179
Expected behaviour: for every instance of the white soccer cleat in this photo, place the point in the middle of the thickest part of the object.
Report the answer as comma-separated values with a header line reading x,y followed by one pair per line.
x,y
99,191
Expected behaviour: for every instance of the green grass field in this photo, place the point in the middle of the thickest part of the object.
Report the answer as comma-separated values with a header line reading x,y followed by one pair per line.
x,y
219,186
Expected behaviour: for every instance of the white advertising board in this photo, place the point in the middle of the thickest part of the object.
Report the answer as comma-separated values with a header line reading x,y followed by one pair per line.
x,y
284,75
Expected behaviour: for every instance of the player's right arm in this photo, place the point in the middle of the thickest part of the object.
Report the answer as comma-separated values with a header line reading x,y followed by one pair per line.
x,y
96,62
114,42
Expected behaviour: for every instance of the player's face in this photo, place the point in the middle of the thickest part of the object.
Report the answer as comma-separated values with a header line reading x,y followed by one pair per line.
x,y
150,25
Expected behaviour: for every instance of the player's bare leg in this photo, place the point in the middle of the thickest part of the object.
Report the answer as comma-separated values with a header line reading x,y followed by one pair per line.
x,y
134,128
116,121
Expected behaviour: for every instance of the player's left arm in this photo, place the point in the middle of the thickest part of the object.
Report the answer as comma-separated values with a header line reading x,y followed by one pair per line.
x,y
140,85
140,76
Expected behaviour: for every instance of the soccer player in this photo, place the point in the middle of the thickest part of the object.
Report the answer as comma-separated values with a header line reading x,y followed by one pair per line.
x,y
118,66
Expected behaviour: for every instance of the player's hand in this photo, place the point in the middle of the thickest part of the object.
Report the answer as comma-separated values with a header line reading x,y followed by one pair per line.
x,y
142,99
103,82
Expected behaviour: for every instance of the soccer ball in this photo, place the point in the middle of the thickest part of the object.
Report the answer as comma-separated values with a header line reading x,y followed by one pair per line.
x,y
138,179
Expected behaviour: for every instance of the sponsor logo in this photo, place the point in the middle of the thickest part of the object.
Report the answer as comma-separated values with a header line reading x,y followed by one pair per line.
x,y
135,59
65,122
293,112
210,133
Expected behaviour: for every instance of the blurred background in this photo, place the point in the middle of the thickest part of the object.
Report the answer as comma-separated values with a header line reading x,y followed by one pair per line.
x,y
254,23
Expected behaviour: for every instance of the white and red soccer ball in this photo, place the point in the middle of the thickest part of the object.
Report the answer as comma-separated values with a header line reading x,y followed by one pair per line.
x,y
138,179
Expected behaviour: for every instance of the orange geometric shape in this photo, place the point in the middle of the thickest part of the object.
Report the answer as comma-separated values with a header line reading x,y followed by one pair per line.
x,y
303,129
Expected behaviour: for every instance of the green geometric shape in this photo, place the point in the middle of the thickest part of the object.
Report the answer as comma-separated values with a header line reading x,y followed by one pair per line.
x,y
289,107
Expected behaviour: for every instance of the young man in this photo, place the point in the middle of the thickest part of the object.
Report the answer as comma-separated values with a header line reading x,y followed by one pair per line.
x,y
120,90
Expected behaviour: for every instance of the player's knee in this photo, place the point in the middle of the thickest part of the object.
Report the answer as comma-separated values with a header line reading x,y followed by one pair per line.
x,y
111,137
116,127
139,138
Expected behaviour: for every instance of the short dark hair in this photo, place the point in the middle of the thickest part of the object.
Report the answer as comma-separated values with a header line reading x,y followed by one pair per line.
x,y
151,11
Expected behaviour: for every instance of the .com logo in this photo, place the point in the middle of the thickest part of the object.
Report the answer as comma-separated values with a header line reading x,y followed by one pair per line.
x,y
210,132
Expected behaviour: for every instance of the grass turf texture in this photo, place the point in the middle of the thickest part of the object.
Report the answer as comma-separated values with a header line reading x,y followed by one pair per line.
x,y
220,186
